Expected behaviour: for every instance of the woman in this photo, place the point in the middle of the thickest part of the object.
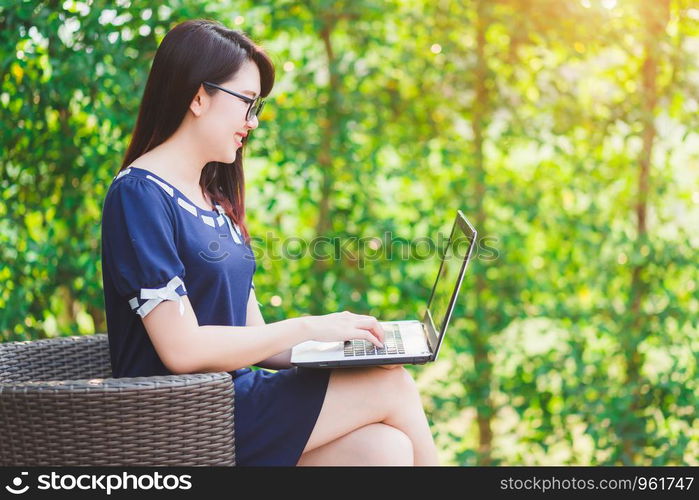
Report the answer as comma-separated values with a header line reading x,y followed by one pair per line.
x,y
178,267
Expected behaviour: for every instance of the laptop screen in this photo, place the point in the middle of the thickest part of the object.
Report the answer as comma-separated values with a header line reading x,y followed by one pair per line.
x,y
451,272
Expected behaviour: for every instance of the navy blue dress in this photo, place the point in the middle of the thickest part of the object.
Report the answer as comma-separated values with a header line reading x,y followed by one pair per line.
x,y
157,245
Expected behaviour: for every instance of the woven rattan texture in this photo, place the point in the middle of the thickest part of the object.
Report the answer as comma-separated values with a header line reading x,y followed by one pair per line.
x,y
58,407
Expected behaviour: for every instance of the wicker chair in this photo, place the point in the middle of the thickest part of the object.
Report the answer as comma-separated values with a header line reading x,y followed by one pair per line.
x,y
59,407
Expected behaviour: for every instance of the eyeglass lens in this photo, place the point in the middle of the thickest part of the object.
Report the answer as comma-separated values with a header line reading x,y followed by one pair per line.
x,y
255,109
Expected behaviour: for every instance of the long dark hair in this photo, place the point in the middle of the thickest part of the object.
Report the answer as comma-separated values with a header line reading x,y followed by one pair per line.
x,y
193,52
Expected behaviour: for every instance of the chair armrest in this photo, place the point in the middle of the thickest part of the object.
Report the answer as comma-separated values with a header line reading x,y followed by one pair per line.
x,y
174,420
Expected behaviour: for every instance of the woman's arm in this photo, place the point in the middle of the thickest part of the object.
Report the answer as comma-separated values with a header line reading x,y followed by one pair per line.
x,y
254,318
185,347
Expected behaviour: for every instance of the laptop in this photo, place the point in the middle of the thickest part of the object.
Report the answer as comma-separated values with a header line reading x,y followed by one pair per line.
x,y
405,341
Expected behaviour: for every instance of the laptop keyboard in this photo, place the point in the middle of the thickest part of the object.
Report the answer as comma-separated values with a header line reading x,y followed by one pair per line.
x,y
392,344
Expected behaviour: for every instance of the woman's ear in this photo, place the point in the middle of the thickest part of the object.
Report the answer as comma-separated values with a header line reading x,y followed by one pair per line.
x,y
200,102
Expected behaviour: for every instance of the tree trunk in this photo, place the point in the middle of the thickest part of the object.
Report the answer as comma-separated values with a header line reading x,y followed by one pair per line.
x,y
326,164
656,15
481,111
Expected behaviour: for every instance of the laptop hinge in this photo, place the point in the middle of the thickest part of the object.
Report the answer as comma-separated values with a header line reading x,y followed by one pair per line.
x,y
432,337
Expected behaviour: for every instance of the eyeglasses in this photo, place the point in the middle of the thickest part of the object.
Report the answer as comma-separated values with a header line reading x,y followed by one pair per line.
x,y
255,105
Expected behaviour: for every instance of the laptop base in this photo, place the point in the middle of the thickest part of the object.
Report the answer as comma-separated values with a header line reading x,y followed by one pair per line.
x,y
351,363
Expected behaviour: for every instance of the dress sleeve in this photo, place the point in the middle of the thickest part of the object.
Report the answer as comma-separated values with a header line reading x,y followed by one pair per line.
x,y
138,241
254,262
252,280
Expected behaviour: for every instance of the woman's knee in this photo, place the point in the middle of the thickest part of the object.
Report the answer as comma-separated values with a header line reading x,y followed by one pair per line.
x,y
386,445
397,384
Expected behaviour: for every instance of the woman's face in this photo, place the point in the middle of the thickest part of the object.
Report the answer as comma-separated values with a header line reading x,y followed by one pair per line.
x,y
226,124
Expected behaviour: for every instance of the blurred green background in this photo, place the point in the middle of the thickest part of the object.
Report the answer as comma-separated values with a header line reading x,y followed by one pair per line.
x,y
566,130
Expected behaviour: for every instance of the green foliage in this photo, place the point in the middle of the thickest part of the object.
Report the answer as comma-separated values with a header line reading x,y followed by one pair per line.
x,y
566,130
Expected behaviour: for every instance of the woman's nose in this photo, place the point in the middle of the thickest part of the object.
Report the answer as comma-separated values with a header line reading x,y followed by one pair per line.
x,y
253,122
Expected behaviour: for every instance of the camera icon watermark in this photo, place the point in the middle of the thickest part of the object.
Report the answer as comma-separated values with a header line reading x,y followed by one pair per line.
x,y
16,488
214,253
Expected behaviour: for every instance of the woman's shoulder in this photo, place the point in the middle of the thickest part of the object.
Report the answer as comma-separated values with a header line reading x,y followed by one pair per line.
x,y
134,190
140,182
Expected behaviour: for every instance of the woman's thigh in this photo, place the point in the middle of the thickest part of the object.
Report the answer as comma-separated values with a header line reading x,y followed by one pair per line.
x,y
356,397
373,444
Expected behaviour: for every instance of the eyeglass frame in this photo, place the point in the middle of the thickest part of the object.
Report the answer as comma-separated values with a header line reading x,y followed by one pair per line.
x,y
245,99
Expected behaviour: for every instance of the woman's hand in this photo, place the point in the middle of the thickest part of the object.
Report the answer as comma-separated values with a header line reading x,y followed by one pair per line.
x,y
342,326
388,367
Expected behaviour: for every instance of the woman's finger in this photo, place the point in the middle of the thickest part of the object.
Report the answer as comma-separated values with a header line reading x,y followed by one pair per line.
x,y
366,335
372,324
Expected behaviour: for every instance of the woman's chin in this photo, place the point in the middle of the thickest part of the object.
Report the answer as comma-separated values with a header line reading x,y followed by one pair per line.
x,y
232,157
